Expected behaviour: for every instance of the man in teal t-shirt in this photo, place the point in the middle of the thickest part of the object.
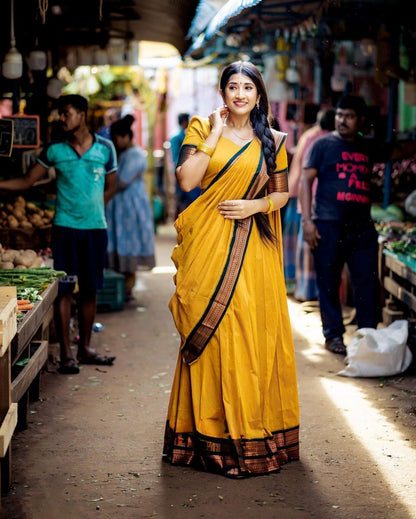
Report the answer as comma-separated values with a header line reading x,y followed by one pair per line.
x,y
85,166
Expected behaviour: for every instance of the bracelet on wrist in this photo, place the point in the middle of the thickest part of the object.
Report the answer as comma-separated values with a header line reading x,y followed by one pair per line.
x,y
205,149
304,222
271,205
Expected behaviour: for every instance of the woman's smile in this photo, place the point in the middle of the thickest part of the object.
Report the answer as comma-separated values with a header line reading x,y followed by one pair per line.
x,y
240,92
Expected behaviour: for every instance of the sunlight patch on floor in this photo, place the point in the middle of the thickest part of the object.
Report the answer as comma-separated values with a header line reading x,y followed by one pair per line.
x,y
308,326
381,439
164,270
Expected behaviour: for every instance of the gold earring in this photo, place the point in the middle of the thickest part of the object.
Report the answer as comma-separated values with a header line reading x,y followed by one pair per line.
x,y
258,105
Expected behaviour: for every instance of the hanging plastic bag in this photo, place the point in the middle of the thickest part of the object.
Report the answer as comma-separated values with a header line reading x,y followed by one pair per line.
x,y
378,353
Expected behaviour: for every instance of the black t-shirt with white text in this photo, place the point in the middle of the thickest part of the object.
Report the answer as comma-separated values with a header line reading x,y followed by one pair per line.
x,y
344,171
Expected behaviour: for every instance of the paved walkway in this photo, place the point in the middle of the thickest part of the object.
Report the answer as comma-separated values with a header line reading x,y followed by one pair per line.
x,y
93,446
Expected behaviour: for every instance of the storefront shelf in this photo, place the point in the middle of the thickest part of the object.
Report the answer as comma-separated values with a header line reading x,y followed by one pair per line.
x,y
38,358
37,318
7,428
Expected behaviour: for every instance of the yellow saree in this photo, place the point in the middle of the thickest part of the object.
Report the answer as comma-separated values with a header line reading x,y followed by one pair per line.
x,y
234,404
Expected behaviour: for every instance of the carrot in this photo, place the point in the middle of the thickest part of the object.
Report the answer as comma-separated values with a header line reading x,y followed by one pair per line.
x,y
25,307
23,302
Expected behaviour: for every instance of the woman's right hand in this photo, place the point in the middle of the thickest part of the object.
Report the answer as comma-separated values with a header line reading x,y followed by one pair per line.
x,y
217,119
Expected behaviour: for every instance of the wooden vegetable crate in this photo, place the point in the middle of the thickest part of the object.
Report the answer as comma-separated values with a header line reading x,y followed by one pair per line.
x,y
399,281
8,409
26,340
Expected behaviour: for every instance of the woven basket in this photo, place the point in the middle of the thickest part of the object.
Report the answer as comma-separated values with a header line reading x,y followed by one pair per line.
x,y
26,238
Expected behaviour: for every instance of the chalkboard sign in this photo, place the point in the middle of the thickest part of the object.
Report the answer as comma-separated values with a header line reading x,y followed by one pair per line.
x,y
26,131
6,137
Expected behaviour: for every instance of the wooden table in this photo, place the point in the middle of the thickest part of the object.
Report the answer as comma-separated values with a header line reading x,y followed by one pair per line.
x,y
31,342
27,340
8,409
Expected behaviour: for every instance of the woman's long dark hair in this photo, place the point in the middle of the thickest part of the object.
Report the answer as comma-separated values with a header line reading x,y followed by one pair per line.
x,y
260,121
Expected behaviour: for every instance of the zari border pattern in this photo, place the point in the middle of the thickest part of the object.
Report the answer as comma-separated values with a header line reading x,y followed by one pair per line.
x,y
257,456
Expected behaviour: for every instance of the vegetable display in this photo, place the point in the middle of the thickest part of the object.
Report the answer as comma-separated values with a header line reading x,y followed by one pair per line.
x,y
20,259
29,283
398,237
24,215
391,213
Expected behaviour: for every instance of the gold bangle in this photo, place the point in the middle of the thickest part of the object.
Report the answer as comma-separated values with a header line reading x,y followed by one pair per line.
x,y
271,206
205,149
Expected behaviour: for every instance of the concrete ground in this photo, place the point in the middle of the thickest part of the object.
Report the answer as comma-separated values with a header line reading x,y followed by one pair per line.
x,y
94,442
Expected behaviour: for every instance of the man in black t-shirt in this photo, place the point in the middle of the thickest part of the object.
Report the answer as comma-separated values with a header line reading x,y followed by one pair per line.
x,y
338,227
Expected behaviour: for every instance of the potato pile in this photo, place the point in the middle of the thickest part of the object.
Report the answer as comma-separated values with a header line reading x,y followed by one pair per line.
x,y
24,215
19,259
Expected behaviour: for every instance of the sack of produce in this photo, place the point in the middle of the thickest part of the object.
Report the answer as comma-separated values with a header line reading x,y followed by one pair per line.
x,y
378,353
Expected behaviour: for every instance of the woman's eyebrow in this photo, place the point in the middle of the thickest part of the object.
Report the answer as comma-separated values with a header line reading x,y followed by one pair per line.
x,y
237,83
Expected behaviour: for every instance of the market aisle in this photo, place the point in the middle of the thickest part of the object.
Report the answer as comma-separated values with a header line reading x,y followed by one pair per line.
x,y
93,447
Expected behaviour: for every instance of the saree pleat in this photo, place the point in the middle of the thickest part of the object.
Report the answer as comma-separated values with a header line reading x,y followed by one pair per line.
x,y
236,405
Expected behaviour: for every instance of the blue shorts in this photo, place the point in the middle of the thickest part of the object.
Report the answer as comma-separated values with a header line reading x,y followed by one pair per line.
x,y
81,253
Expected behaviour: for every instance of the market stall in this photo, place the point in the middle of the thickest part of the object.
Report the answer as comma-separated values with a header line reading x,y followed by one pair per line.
x,y
36,290
29,351
26,311
398,269
8,409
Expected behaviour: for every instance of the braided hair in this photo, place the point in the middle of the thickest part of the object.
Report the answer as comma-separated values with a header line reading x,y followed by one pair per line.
x,y
260,121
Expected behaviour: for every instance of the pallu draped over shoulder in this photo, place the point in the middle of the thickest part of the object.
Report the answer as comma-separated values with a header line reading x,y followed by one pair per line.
x,y
234,400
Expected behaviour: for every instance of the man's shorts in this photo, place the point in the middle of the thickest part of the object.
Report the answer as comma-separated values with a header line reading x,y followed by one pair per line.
x,y
81,253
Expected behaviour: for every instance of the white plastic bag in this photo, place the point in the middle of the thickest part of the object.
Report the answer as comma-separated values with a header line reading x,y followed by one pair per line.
x,y
377,353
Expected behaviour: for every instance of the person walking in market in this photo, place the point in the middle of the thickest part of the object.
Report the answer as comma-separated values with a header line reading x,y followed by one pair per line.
x,y
338,225
131,236
85,166
305,288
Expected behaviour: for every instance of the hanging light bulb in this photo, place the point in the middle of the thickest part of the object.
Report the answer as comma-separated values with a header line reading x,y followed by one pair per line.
x,y
54,87
37,59
13,61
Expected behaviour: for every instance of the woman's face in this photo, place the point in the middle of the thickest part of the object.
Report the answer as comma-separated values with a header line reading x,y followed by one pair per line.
x,y
121,142
240,94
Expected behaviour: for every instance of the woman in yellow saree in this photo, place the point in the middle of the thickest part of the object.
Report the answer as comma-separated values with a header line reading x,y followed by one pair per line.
x,y
234,404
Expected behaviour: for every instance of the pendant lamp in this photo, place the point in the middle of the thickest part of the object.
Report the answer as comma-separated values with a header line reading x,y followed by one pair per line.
x,y
37,59
13,61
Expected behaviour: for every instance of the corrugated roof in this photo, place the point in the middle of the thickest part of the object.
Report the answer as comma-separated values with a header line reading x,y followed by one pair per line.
x,y
230,9
259,15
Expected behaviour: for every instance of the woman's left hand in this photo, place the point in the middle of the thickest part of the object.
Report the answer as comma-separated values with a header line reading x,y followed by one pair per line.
x,y
236,209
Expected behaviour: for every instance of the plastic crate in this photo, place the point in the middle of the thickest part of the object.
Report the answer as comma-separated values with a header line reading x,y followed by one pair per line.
x,y
110,298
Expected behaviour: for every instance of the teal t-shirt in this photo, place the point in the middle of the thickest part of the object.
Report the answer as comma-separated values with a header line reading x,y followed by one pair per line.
x,y
80,182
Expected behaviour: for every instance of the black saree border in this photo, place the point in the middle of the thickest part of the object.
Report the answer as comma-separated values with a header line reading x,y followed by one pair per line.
x,y
235,157
257,456
205,328
256,175
202,332
279,140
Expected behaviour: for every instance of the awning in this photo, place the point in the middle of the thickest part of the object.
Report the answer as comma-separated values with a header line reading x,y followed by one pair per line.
x,y
230,10
242,26
257,17
205,11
